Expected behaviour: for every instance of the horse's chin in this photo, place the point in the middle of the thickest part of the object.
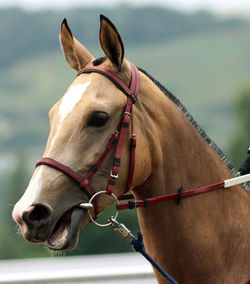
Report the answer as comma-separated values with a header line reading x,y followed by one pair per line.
x,y
66,231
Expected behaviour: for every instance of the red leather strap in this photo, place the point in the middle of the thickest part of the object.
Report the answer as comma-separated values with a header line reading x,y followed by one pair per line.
x,y
167,197
134,85
58,166
132,154
84,183
72,174
109,146
117,157
130,92
126,197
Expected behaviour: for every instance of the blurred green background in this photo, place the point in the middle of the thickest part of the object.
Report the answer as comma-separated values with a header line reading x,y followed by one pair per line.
x,y
202,58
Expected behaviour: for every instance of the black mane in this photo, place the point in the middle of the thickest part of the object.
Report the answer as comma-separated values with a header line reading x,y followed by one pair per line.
x,y
193,122
98,61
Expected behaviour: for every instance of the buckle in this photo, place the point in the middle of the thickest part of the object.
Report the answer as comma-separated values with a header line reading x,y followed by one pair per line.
x,y
114,176
133,97
127,113
116,133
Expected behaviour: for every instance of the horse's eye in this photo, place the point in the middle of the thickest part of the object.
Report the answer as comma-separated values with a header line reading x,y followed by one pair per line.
x,y
98,119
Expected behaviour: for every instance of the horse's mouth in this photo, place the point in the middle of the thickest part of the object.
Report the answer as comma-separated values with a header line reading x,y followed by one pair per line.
x,y
66,231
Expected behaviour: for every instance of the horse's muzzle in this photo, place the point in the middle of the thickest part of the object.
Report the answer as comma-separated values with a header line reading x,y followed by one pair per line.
x,y
36,223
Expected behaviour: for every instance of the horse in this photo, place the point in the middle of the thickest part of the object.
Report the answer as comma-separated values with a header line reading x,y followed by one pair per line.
x,y
204,239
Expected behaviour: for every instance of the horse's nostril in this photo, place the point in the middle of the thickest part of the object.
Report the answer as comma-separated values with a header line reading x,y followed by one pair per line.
x,y
36,214
40,212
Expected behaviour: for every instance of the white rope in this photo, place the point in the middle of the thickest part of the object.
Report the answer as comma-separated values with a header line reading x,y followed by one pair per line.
x,y
236,181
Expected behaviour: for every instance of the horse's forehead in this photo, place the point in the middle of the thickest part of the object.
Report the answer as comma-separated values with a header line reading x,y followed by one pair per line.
x,y
71,98
94,90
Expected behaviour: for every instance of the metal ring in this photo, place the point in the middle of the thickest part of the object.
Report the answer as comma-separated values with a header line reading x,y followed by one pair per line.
x,y
91,199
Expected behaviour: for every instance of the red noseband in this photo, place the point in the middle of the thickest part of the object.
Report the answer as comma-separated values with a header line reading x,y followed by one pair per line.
x,y
117,139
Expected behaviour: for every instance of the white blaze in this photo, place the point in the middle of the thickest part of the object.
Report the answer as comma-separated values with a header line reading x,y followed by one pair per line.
x,y
70,99
30,194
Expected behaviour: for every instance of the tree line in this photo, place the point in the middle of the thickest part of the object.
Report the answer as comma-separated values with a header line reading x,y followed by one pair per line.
x,y
137,26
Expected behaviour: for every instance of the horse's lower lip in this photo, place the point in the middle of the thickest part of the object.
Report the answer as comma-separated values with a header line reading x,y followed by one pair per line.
x,y
66,231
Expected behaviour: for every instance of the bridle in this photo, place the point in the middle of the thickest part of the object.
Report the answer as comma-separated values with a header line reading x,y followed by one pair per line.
x,y
117,139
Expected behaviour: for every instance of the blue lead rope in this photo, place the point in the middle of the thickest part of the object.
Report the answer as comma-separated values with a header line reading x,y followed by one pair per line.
x,y
138,246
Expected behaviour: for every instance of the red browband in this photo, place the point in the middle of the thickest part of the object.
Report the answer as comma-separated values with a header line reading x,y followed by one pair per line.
x,y
117,139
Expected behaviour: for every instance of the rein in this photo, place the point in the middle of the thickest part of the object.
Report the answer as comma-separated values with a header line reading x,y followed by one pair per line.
x,y
117,138
181,194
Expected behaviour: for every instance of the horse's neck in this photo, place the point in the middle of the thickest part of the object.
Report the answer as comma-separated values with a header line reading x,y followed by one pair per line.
x,y
181,157
178,154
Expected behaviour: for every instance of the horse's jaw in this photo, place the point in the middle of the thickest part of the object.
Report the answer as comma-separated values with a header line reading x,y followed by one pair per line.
x,y
66,231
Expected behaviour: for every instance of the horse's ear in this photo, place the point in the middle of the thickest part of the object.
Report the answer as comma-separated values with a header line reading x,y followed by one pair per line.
x,y
111,42
76,54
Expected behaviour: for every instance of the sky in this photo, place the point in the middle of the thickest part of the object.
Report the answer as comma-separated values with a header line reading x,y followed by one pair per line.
x,y
220,6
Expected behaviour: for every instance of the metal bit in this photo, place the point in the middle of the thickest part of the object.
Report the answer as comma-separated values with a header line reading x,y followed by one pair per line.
x,y
86,205
121,230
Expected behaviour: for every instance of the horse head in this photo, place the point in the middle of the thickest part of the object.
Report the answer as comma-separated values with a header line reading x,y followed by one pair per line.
x,y
81,123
